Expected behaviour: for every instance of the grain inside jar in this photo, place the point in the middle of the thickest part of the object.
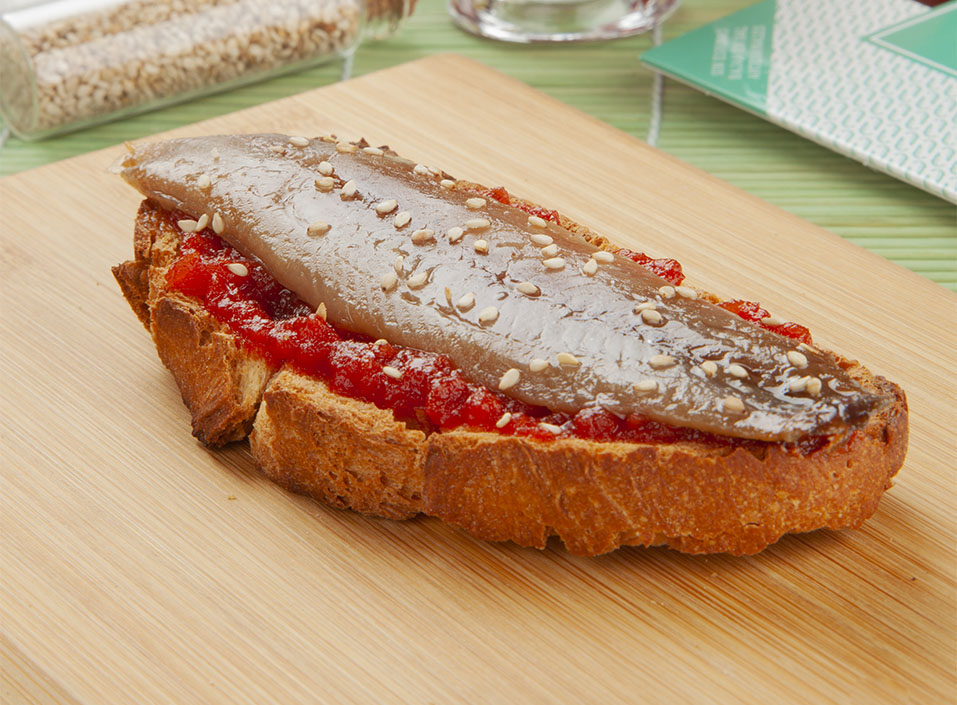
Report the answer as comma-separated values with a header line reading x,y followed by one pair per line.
x,y
72,63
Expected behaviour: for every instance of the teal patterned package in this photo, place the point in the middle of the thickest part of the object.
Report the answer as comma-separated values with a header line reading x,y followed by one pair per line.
x,y
875,80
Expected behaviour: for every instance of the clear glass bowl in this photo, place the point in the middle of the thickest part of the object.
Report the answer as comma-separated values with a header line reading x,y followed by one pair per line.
x,y
528,21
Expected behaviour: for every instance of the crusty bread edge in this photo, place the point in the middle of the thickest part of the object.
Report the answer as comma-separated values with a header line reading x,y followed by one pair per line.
x,y
595,496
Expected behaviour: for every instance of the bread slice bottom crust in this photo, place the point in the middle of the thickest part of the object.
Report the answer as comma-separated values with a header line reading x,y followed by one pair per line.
x,y
595,496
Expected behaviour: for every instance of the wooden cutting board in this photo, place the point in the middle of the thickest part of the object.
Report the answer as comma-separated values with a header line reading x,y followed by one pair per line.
x,y
140,567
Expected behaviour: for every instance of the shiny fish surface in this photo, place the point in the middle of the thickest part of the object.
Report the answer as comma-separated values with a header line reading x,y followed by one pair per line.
x,y
369,261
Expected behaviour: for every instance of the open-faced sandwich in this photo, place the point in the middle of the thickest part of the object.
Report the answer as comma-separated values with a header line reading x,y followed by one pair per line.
x,y
398,342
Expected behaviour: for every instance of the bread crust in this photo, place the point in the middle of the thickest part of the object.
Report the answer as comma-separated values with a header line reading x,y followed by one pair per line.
x,y
221,383
598,496
595,496
341,451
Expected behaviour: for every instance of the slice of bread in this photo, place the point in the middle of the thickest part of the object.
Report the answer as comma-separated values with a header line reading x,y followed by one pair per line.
x,y
595,496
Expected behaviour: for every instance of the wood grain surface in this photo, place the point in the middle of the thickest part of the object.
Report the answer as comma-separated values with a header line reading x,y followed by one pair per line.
x,y
138,566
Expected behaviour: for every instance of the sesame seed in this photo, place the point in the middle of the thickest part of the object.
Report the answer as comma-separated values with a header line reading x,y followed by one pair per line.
x,y
374,151
554,263
797,359
481,246
392,372
218,224
455,234
321,310
537,364
277,149
348,189
660,362
603,257
381,341
567,359
328,138
736,371
489,314
187,225
709,367
536,222
420,237
345,148
325,168
509,379
814,386
202,223
397,266
503,420
797,384
387,206
238,268
590,268
550,251
528,289
298,141
651,317
541,240
446,183
808,348
402,219
646,386
551,428
320,227
388,281
667,292
466,302
686,292
475,204
421,170
477,224
645,305
773,321
732,405
203,182
418,281
325,183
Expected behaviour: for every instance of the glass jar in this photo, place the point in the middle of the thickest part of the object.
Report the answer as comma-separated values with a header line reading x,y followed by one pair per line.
x,y
527,21
69,64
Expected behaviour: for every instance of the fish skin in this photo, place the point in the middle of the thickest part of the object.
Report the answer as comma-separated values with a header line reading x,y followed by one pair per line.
x,y
264,189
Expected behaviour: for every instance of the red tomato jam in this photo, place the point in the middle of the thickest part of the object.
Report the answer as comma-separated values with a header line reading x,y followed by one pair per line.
x,y
421,387
751,311
501,195
665,268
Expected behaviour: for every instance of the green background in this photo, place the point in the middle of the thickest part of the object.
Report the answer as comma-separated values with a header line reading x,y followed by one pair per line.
x,y
934,40
692,57
607,81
